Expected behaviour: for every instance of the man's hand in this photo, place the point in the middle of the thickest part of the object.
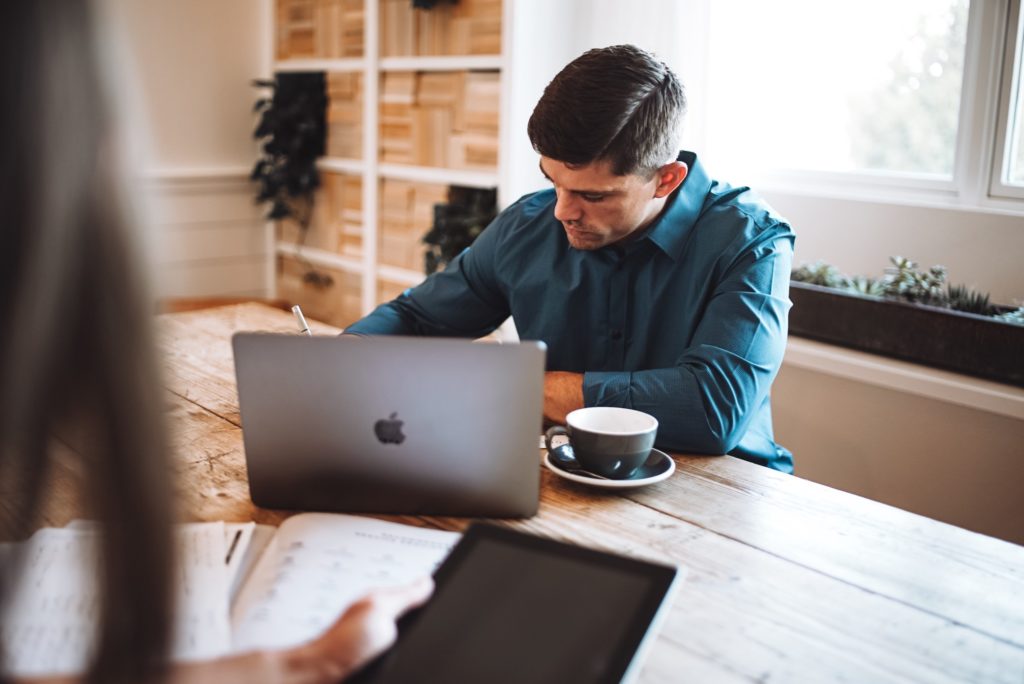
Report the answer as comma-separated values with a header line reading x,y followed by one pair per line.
x,y
563,393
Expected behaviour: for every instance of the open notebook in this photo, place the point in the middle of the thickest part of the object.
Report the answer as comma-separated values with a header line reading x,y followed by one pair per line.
x,y
239,586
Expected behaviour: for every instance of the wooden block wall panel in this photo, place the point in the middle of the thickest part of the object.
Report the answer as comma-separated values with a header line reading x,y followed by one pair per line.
x,y
295,29
397,117
481,99
345,115
406,214
338,304
467,27
325,29
337,217
387,290
472,151
440,119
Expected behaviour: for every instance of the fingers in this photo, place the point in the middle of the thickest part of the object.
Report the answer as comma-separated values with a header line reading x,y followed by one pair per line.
x,y
363,632
396,601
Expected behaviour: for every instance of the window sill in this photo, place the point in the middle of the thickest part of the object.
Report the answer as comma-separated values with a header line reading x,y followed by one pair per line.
x,y
880,371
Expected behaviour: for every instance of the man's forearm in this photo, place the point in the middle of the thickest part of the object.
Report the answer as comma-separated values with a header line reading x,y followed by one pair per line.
x,y
388,319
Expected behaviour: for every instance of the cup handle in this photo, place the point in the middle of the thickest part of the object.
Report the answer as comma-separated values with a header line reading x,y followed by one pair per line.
x,y
553,432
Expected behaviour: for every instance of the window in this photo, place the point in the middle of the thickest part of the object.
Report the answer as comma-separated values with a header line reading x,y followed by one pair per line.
x,y
871,87
1008,167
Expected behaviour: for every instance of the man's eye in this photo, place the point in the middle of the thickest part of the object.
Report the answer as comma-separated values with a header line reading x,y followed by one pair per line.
x,y
592,198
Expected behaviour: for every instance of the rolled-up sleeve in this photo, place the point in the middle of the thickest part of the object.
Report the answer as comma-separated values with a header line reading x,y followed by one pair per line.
x,y
705,401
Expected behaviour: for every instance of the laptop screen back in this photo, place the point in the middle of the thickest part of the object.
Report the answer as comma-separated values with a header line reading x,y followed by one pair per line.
x,y
391,424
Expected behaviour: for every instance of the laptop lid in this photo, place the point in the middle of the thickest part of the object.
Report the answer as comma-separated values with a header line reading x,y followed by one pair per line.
x,y
426,426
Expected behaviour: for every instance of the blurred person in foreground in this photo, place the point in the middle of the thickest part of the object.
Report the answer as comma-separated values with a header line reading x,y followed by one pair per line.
x,y
77,358
654,287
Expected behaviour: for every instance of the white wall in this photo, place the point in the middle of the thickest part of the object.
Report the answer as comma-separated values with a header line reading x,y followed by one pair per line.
x,y
548,34
984,249
183,70
959,464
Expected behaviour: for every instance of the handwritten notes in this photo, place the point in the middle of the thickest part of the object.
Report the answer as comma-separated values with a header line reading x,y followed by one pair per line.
x,y
319,564
279,587
201,628
50,626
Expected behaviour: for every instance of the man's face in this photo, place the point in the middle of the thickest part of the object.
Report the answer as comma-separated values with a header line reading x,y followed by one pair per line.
x,y
598,208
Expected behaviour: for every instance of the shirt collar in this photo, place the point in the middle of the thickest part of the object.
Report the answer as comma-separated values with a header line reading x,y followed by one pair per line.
x,y
670,230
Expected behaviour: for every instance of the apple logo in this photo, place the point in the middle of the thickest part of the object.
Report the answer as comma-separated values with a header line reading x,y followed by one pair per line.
x,y
389,430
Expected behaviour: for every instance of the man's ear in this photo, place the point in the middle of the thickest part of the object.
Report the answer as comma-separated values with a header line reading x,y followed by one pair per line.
x,y
670,176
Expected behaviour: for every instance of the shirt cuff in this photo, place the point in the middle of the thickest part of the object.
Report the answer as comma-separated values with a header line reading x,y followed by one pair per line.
x,y
606,388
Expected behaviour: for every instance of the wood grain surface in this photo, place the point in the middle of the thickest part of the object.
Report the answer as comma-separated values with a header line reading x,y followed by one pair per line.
x,y
787,580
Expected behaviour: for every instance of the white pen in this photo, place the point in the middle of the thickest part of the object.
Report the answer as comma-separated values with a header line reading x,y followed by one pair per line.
x,y
303,326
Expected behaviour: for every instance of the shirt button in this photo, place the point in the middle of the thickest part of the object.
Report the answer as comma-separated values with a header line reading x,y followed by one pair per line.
x,y
616,335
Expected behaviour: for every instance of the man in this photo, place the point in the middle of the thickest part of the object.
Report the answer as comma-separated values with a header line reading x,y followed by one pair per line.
x,y
654,287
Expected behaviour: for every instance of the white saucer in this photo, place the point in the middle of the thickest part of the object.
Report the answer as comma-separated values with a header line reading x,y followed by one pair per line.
x,y
657,468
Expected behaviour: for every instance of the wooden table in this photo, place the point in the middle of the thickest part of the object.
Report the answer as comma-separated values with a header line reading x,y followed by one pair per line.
x,y
788,580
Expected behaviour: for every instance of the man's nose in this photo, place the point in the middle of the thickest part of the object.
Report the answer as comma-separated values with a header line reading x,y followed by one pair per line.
x,y
567,207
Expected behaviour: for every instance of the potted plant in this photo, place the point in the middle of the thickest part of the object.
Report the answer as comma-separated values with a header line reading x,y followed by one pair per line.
x,y
457,224
910,314
292,133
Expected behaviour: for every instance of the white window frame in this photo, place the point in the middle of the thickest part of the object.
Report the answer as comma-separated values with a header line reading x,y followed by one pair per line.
x,y
1010,85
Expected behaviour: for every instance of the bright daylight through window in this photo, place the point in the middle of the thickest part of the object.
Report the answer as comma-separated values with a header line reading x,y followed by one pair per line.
x,y
868,87
1015,170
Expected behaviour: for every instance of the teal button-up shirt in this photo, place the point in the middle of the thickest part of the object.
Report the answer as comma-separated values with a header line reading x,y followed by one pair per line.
x,y
687,322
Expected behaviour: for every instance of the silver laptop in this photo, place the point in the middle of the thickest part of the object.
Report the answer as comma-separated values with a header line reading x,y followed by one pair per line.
x,y
391,424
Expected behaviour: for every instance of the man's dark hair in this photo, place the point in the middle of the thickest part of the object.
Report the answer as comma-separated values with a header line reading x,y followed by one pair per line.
x,y
618,104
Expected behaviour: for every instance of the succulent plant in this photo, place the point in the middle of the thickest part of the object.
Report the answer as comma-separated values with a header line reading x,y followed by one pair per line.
x,y
819,273
904,281
1015,317
962,298
865,286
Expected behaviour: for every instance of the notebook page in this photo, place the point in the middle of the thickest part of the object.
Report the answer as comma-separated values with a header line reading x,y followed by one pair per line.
x,y
320,563
202,628
258,542
239,542
50,625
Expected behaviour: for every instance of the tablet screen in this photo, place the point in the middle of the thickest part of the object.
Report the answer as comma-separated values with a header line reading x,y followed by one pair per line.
x,y
512,607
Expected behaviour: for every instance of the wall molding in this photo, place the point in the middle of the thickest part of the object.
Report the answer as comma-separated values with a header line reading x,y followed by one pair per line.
x,y
196,178
924,381
211,239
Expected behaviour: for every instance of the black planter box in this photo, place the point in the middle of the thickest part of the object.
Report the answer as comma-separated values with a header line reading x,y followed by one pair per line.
x,y
961,342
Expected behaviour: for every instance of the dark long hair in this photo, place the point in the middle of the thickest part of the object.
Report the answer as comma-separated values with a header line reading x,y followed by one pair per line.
x,y
76,350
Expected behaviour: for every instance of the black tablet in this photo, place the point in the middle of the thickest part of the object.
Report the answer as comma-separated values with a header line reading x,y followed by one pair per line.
x,y
513,607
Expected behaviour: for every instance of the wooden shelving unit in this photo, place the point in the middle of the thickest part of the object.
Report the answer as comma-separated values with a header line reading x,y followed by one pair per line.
x,y
415,100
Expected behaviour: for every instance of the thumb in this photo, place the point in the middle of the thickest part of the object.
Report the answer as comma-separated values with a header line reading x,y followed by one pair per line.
x,y
397,601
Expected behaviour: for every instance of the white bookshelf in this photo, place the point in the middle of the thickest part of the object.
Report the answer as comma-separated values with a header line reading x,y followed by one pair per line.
x,y
441,63
348,65
370,169
355,167
322,257
427,174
